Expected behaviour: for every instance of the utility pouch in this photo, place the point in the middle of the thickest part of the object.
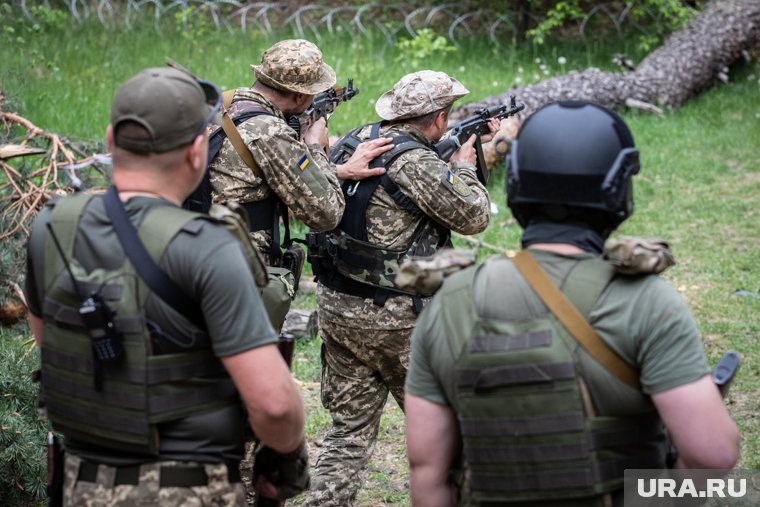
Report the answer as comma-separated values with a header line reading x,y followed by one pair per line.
x,y
293,259
322,249
278,294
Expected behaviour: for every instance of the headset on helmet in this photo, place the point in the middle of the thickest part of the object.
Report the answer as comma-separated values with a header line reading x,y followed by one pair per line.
x,y
574,156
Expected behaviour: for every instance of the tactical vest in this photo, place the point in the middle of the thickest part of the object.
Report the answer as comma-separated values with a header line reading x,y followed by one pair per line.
x,y
344,259
262,215
528,426
140,390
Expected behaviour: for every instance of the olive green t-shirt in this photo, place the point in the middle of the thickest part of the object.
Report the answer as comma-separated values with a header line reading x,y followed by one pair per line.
x,y
207,262
642,318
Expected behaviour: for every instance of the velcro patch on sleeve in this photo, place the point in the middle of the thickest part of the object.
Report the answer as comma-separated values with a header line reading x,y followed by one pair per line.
x,y
459,186
303,162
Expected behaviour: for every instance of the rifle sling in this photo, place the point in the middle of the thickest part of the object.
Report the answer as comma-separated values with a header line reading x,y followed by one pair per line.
x,y
153,276
573,321
234,136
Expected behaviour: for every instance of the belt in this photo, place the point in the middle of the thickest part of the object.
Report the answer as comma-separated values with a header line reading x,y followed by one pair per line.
x,y
171,477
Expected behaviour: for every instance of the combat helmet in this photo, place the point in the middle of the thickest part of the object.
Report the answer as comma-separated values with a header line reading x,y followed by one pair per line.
x,y
573,159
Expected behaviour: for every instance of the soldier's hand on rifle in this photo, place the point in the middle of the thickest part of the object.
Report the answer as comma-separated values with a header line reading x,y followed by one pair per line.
x,y
281,476
494,124
466,153
316,133
357,167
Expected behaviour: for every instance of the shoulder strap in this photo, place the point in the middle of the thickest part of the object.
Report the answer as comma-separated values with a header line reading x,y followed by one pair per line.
x,y
64,219
573,321
159,283
234,135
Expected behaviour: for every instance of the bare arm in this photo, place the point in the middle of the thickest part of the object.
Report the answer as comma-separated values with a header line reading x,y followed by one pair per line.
x,y
274,405
699,424
432,439
35,324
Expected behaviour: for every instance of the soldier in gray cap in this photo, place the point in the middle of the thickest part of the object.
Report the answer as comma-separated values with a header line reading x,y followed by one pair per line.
x,y
147,388
365,319
293,168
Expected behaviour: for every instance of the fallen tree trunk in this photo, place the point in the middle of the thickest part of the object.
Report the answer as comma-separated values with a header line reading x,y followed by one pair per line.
x,y
689,61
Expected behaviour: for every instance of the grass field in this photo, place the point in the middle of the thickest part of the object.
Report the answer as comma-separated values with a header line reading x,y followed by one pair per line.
x,y
699,187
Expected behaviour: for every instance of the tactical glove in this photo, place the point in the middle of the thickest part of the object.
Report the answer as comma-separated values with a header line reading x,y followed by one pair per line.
x,y
288,472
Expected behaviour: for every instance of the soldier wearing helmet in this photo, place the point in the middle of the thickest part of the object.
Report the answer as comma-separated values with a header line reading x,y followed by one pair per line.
x,y
365,319
524,404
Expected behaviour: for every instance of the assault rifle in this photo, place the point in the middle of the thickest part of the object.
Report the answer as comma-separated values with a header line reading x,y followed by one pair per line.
x,y
476,124
323,105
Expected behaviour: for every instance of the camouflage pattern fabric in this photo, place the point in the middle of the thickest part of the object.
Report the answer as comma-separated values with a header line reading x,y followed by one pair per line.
x,y
419,93
295,65
299,174
246,472
633,256
425,275
365,356
366,346
453,197
219,492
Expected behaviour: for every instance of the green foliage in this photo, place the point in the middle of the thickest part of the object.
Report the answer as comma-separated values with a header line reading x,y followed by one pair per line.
x,y
22,435
561,13
194,25
668,16
654,18
413,52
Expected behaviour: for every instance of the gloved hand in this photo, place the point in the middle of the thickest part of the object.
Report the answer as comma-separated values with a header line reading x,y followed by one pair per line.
x,y
288,472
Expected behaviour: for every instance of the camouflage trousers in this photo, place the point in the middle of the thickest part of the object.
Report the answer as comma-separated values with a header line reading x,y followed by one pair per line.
x,y
102,492
360,366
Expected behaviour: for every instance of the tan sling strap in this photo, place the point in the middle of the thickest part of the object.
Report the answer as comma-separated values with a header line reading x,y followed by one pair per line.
x,y
234,136
573,321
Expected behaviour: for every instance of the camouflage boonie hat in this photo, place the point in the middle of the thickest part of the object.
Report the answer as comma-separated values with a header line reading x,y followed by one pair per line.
x,y
419,93
295,65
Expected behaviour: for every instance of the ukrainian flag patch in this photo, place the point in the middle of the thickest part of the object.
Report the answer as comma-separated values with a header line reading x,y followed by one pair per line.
x,y
456,184
303,162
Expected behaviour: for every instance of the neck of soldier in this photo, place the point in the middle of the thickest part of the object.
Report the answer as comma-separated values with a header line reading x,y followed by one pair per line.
x,y
560,248
149,183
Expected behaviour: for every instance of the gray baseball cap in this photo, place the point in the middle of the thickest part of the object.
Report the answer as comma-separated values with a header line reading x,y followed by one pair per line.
x,y
295,65
419,93
173,106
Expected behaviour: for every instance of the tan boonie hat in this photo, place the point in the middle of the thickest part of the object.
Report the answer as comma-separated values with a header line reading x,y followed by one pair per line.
x,y
172,106
295,65
419,93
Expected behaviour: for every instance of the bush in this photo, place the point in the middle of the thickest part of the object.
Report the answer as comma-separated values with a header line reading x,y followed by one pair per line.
x,y
22,435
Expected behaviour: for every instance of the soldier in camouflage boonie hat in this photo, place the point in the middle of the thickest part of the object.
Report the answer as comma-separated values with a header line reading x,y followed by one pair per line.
x,y
419,93
295,65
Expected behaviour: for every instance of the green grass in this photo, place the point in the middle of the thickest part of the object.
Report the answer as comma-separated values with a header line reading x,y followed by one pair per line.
x,y
699,186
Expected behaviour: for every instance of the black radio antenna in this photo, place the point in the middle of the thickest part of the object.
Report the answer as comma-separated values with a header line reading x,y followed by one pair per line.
x,y
77,288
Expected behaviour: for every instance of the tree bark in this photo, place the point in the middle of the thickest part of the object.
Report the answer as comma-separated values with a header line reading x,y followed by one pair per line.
x,y
689,61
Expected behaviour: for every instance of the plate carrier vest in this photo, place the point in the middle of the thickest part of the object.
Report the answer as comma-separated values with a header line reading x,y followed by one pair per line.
x,y
527,431
343,259
140,390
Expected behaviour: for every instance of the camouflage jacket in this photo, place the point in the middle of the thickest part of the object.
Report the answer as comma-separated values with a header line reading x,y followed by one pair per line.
x,y
450,195
299,174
